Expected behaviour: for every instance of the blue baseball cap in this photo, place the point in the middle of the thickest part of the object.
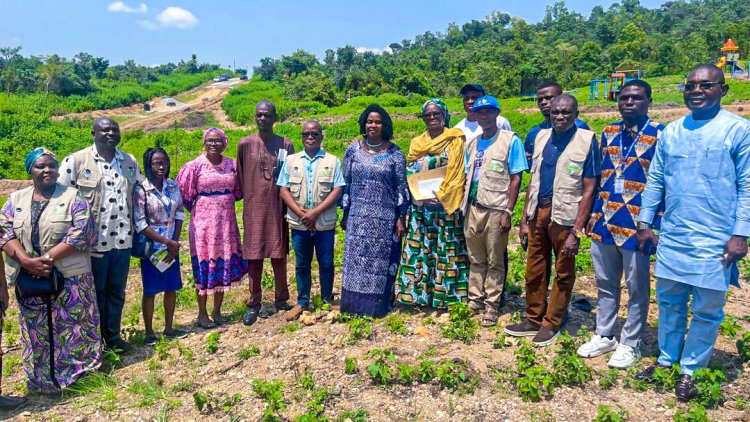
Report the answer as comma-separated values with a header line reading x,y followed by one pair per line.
x,y
472,87
488,101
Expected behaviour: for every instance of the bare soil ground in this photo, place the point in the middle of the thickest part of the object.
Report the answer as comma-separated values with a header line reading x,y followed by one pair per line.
x,y
149,387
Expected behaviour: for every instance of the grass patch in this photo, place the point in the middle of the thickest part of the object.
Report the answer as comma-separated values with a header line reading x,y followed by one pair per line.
x,y
248,352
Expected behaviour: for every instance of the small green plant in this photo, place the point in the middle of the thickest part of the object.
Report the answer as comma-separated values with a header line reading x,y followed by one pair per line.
x,y
515,318
150,390
360,328
111,360
357,415
248,352
743,347
568,368
664,379
429,320
212,343
525,357
292,327
431,352
631,380
381,367
162,348
463,326
609,379
427,371
454,375
350,365
708,382
306,381
406,374
730,327
396,323
695,413
607,414
499,342
534,382
210,402
272,392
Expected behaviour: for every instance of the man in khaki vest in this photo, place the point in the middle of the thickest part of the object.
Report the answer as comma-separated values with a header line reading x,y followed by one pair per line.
x,y
495,161
105,176
310,183
564,171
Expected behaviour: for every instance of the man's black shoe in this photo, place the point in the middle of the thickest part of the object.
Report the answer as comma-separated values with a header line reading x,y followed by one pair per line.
x,y
10,403
685,388
250,316
120,346
284,307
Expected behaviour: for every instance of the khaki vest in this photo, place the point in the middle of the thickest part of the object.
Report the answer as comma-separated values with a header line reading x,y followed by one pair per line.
x,y
494,181
54,223
87,178
568,186
321,188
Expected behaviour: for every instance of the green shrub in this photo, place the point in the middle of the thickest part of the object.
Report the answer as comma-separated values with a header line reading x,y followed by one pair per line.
x,y
463,326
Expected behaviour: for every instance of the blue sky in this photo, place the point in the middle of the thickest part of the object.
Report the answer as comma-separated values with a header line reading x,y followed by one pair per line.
x,y
223,31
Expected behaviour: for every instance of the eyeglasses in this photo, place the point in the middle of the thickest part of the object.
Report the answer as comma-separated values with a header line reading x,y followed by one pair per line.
x,y
310,134
703,85
214,141
431,115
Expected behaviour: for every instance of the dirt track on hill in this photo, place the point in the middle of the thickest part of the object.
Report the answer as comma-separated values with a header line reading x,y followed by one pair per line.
x,y
204,99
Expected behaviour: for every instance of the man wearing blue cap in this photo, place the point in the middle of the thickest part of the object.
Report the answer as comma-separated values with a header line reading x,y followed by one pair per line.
x,y
469,125
495,160
564,171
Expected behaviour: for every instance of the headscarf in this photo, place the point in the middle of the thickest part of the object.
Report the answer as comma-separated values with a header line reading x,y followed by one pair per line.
x,y
217,131
441,105
34,155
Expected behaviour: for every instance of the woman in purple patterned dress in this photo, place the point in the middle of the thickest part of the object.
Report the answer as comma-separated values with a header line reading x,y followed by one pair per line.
x,y
209,190
375,201
41,227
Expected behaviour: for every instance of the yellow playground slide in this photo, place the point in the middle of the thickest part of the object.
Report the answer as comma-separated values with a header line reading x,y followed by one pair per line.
x,y
722,62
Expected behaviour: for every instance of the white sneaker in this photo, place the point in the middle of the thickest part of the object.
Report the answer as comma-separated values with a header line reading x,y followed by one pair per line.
x,y
597,346
624,357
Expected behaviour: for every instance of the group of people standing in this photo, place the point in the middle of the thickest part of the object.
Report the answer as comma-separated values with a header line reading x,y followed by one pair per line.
x,y
685,188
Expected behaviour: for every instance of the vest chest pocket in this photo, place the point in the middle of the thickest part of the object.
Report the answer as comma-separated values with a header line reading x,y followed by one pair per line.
x,y
58,226
87,186
325,185
295,185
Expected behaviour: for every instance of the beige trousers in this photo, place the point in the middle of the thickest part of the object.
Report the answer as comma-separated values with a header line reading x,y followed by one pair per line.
x,y
486,245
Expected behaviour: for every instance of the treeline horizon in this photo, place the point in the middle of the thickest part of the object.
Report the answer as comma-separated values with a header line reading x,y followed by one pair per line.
x,y
501,51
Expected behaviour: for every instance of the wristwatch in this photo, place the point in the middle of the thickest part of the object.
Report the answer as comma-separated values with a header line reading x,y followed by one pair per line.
x,y
578,233
642,225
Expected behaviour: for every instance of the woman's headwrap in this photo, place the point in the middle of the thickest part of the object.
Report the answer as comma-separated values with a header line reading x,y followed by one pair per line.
x,y
34,155
441,105
217,131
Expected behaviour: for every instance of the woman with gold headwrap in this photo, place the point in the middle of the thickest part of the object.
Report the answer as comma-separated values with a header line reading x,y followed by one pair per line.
x,y
43,228
434,265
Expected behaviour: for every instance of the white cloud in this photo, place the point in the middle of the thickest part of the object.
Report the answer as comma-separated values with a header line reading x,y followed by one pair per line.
x,y
177,17
119,6
376,51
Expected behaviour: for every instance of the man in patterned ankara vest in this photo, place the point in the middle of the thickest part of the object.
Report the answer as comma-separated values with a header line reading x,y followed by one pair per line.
x,y
311,182
564,172
105,177
495,162
627,149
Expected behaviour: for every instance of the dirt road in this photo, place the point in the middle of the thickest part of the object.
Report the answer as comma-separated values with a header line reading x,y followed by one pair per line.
x,y
186,111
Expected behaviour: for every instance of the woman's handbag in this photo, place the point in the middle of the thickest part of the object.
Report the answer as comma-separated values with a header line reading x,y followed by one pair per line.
x,y
30,286
143,247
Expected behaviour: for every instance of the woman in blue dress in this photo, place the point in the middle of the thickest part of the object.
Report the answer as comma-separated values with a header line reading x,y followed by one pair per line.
x,y
375,202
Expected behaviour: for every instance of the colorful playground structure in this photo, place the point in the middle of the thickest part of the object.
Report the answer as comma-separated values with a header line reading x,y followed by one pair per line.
x,y
610,88
729,61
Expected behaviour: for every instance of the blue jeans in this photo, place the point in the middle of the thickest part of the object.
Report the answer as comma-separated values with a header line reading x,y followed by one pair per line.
x,y
305,242
694,351
110,278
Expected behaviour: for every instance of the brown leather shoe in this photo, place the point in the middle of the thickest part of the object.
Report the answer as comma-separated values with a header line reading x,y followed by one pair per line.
x,y
294,313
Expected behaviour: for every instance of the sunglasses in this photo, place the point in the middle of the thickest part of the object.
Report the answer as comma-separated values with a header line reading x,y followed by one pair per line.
x,y
702,85
310,134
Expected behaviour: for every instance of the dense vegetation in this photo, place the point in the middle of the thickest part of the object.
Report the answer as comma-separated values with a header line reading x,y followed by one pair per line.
x,y
32,92
501,51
